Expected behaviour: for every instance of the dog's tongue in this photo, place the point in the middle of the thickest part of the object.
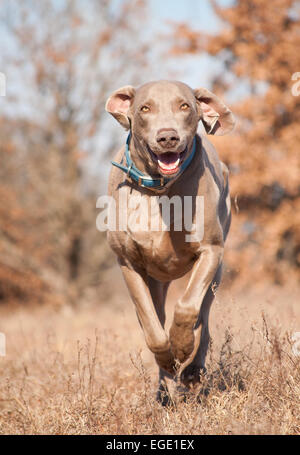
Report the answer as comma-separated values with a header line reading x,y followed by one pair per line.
x,y
168,162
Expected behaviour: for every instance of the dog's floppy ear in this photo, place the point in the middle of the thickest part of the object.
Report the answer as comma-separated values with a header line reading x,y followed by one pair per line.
x,y
216,117
118,104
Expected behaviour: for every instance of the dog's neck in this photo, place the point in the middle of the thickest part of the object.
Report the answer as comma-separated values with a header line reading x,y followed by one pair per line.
x,y
142,174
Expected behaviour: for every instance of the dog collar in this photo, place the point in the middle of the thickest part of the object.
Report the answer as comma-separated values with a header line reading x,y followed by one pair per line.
x,y
145,181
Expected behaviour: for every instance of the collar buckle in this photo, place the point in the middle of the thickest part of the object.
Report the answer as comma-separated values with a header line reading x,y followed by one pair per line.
x,y
141,184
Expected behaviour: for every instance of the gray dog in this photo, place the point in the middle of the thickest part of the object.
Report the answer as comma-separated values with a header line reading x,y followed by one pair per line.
x,y
164,156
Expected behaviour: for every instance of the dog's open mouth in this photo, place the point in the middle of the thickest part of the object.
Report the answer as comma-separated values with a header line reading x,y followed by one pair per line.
x,y
169,162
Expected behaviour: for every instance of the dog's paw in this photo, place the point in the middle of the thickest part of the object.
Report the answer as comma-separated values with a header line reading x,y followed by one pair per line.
x,y
166,361
182,341
192,374
163,396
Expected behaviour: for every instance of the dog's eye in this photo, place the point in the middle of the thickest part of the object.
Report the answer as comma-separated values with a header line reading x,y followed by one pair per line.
x,y
184,106
145,109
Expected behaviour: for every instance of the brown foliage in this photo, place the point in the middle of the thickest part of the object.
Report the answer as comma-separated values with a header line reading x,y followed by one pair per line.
x,y
68,59
259,44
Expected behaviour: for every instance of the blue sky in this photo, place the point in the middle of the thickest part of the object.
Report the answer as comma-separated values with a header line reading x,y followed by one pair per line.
x,y
193,70
196,71
199,15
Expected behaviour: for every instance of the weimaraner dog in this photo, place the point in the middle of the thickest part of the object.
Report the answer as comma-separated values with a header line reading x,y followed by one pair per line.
x,y
164,156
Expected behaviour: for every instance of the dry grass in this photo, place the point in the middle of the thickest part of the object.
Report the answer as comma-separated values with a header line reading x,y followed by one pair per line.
x,y
87,371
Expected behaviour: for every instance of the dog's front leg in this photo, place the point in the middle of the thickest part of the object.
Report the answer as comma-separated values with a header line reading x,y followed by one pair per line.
x,y
187,309
156,338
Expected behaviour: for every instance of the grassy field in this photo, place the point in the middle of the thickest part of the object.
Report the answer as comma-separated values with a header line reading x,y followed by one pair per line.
x,y
87,370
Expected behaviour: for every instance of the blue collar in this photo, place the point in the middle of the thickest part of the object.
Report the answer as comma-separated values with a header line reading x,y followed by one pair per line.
x,y
146,181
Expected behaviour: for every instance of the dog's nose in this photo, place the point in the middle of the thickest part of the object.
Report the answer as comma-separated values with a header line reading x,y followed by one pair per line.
x,y
167,137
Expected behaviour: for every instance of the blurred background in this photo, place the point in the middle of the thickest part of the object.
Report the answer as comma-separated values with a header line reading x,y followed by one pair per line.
x,y
62,59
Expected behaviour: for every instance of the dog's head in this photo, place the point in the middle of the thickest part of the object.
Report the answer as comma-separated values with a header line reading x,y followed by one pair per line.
x,y
163,117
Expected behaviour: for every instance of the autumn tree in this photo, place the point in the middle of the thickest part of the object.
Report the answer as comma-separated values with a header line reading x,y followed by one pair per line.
x,y
61,60
259,46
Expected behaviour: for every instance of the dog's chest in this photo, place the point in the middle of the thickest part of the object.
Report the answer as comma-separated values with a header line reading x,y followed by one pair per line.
x,y
163,254
158,234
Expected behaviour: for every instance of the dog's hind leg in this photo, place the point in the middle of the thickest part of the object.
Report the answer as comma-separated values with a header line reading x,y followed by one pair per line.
x,y
163,395
158,291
